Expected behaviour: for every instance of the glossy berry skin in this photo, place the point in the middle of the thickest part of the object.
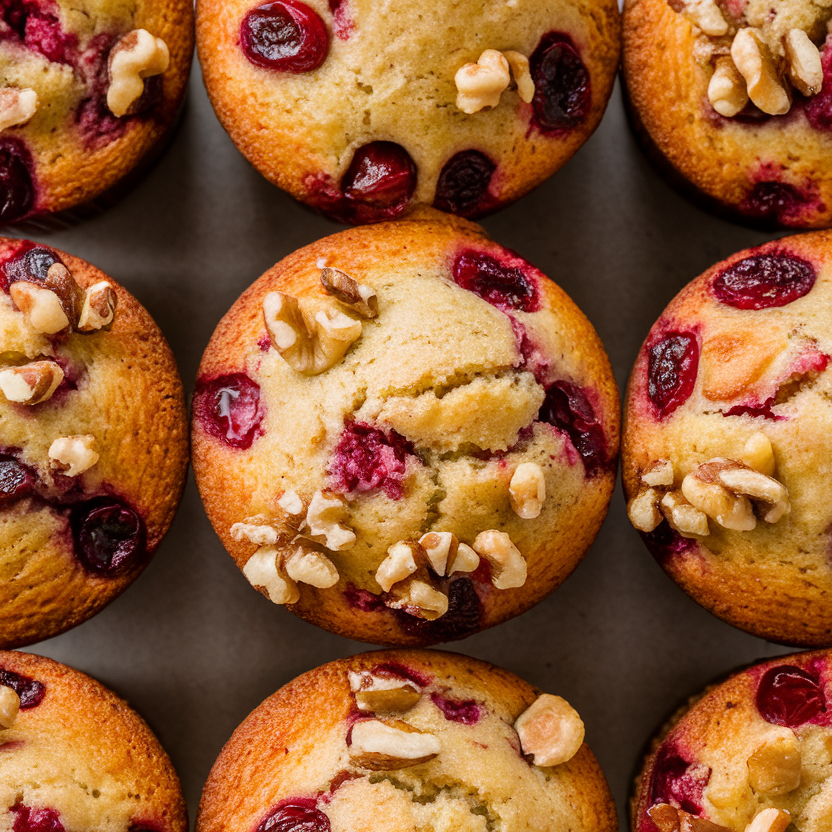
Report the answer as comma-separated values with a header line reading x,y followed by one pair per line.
x,y
673,364
764,281
295,818
30,691
503,286
677,781
229,408
16,480
463,183
562,96
109,537
379,182
790,696
17,183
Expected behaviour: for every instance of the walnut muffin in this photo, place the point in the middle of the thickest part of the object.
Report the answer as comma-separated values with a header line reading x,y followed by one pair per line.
x,y
363,110
93,440
407,740
405,432
728,436
73,756
87,89
753,754
733,98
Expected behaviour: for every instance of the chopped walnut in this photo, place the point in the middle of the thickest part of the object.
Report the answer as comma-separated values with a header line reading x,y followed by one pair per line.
x,y
135,56
769,820
388,745
310,567
753,59
643,509
682,517
481,84
31,383
759,454
359,298
774,767
291,503
729,510
805,70
9,706
258,533
706,15
508,566
418,598
17,106
323,519
41,307
262,570
769,495
399,564
550,730
670,819
447,555
658,473
519,65
527,490
99,308
382,693
726,89
72,455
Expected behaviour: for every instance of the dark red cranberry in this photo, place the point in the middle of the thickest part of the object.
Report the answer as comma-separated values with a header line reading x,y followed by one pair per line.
x,y
677,781
462,187
30,262
818,108
30,691
761,409
229,408
109,537
672,366
561,84
36,820
467,712
400,671
367,458
98,126
45,34
285,36
775,203
789,696
506,287
379,182
765,281
16,480
293,818
363,600
17,186
462,618
665,542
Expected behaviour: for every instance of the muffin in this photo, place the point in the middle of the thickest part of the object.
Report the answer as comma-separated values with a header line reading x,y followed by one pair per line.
x,y
728,440
88,89
74,756
753,753
364,111
405,432
733,99
93,440
407,740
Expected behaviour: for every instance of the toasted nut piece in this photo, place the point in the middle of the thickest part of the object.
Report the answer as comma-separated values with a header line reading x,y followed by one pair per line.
x,y
682,517
398,565
774,767
323,520
262,570
753,59
261,534
508,566
360,299
439,548
519,65
9,706
31,383
769,820
385,746
41,307
643,510
465,560
658,473
771,494
706,15
307,566
291,503
527,490
17,106
136,56
60,280
805,70
759,454
99,307
670,819
481,84
73,455
418,598
550,730
377,693
307,347
729,510
727,91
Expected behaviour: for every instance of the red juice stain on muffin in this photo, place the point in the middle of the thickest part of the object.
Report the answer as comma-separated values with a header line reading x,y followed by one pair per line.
x,y
379,182
790,696
363,600
342,23
462,618
664,542
776,202
764,281
30,691
97,124
504,285
284,36
463,183
396,670
297,816
17,181
109,537
819,108
229,408
678,781
672,367
37,25
456,710
36,820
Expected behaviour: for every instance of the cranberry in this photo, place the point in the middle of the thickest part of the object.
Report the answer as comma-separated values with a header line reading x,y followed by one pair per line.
x,y
36,820
672,366
765,281
760,409
677,781
665,542
561,84
341,21
293,818
16,480
789,696
363,600
30,262
819,108
367,458
397,670
96,123
45,34
462,187
17,186
230,409
109,537
467,712
286,36
505,287
775,203
462,618
379,182
30,691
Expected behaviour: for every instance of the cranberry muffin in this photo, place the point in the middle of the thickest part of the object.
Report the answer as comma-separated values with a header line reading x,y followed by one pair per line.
x,y
73,756
89,88
93,440
753,754
363,110
733,98
407,740
405,432
728,436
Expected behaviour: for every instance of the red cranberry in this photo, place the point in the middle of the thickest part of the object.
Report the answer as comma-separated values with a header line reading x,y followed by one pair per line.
x,y
789,696
30,691
379,182
765,281
229,408
775,203
30,262
286,36
45,34
761,409
17,186
36,820
367,458
672,366
561,84
505,287
363,600
665,542
462,618
342,23
293,818
819,107
96,123
16,480
462,187
676,781
109,537
467,712
400,671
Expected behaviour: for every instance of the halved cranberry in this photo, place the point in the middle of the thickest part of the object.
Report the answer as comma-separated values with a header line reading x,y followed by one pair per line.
x,y
506,287
109,537
677,781
229,408
379,182
36,820
16,480
672,367
286,36
789,696
455,710
294,818
17,186
561,84
367,458
30,691
775,203
462,618
462,187
765,281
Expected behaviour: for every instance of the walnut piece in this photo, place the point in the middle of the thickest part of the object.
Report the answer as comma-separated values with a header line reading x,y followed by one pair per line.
x,y
682,517
135,56
805,70
481,84
72,455
310,567
706,15
41,307
399,564
262,570
17,106
550,730
388,745
323,519
658,473
261,534
774,767
670,819
98,309
527,490
754,61
726,89
31,383
359,298
519,65
9,706
729,510
759,454
770,496
382,693
643,509
447,555
508,566
769,820
417,597
291,503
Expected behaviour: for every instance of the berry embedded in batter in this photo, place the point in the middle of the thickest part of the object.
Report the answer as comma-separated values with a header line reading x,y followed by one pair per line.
x,y
35,23
562,93
465,711
16,480
673,364
505,287
462,618
677,781
109,537
764,281
777,203
789,696
29,691
17,182
463,183
379,182
295,818
36,820
230,409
